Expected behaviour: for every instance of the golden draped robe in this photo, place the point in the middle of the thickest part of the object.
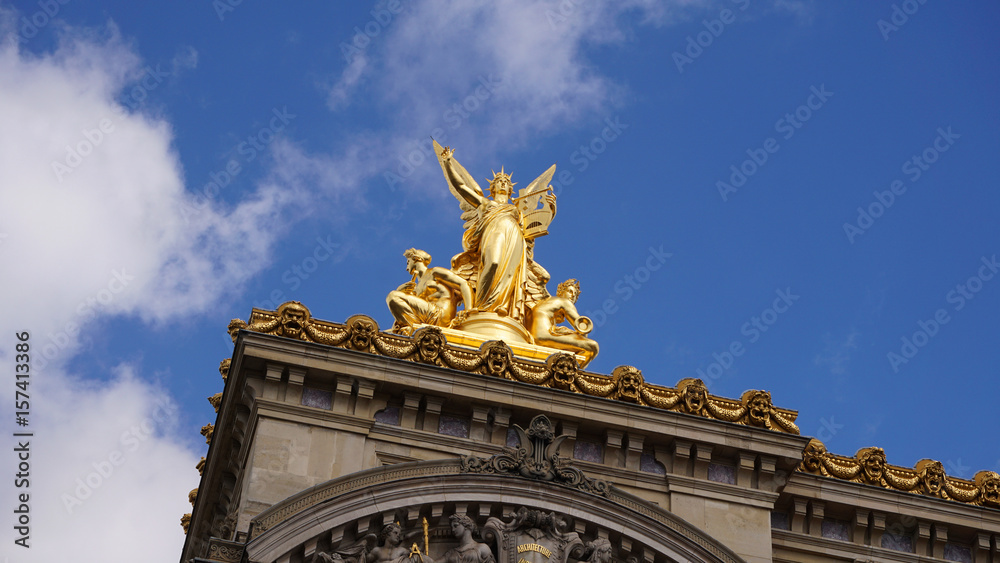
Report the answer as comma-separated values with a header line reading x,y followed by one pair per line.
x,y
496,235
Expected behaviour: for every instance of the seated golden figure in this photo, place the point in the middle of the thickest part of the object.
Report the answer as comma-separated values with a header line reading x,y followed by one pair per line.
x,y
431,297
548,313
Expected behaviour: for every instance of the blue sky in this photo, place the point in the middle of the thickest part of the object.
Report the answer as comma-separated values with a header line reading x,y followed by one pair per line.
x,y
728,144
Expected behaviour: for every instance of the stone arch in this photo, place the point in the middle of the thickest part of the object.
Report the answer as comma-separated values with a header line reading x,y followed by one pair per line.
x,y
289,530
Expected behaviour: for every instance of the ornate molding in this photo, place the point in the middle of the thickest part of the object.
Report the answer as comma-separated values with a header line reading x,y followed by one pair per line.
x,y
225,551
927,477
343,485
536,458
429,345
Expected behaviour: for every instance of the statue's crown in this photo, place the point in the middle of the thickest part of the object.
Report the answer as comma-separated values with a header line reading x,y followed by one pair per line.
x,y
501,178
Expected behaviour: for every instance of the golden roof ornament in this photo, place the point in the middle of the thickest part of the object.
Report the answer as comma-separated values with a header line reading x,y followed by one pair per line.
x,y
494,289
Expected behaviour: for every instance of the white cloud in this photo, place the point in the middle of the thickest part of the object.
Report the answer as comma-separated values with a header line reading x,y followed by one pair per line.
x,y
96,221
108,477
490,75
425,67
92,188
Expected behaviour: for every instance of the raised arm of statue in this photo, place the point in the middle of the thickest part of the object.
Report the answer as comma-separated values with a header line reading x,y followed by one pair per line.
x,y
462,185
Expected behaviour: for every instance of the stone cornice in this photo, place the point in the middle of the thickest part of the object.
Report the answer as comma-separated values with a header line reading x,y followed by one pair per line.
x,y
808,544
327,363
721,491
860,495
429,346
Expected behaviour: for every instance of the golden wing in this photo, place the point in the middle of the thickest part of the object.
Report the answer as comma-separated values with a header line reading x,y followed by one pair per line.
x,y
468,210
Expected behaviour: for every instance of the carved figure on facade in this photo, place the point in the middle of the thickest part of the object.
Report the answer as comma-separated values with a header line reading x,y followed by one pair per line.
x,y
988,485
432,297
290,322
598,551
293,320
430,342
931,477
388,546
533,536
548,313
468,550
628,383
755,409
564,369
694,396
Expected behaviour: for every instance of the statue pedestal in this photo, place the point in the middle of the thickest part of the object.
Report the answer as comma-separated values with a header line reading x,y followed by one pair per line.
x,y
495,327
481,327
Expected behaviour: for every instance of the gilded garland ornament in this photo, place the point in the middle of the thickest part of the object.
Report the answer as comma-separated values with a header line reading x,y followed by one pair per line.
x,y
927,477
495,358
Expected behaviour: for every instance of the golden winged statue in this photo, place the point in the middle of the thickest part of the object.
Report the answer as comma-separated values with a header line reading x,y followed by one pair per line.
x,y
495,277
499,237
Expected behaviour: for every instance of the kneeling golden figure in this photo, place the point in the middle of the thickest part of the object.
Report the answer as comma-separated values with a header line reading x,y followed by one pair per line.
x,y
431,297
548,313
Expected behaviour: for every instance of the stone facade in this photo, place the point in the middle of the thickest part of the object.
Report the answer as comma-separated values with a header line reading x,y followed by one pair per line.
x,y
317,449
